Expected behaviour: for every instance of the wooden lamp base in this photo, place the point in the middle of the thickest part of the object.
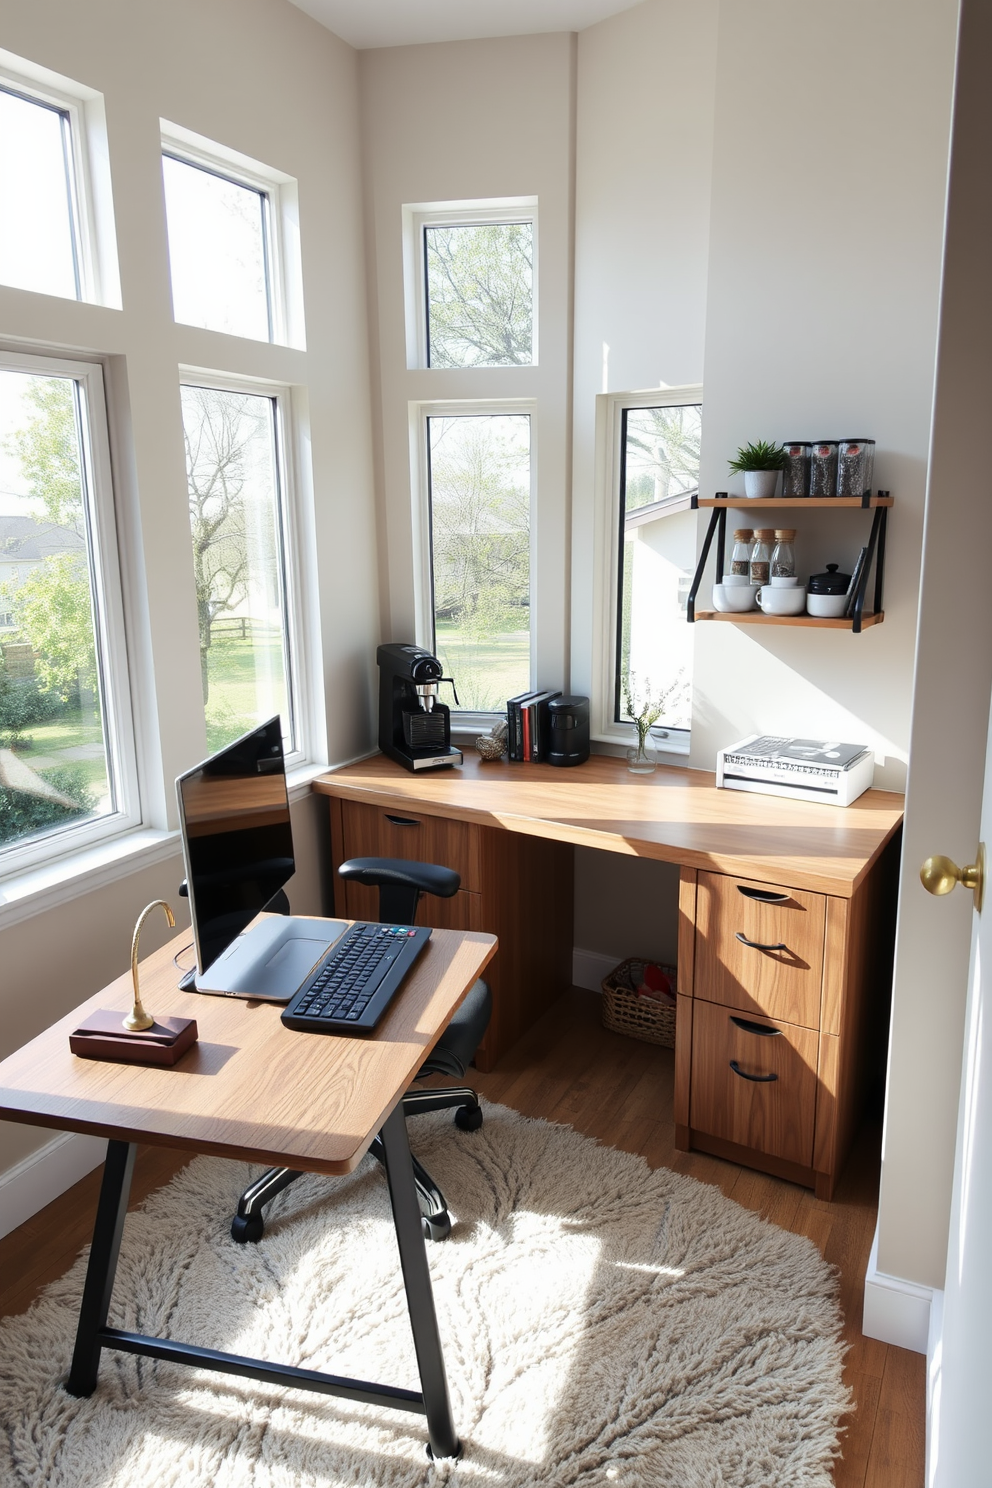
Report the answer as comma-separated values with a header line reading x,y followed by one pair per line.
x,y
103,1036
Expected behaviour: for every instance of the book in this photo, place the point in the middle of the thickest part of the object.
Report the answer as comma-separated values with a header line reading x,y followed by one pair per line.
x,y
859,569
514,723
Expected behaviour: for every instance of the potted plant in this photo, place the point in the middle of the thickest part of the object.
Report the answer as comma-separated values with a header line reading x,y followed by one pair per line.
x,y
760,464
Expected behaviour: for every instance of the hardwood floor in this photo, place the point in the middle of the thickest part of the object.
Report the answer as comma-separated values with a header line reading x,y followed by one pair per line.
x,y
568,1068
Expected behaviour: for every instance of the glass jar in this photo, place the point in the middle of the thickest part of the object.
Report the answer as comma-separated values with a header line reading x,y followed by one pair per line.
x,y
795,476
855,467
740,559
823,468
784,553
761,555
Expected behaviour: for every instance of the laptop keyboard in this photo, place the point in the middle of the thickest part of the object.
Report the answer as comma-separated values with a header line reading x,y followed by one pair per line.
x,y
357,980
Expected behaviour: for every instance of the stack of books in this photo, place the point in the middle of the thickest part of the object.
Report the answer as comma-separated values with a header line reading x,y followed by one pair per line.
x,y
528,725
806,769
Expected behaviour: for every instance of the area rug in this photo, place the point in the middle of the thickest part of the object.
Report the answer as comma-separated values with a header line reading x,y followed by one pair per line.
x,y
603,1324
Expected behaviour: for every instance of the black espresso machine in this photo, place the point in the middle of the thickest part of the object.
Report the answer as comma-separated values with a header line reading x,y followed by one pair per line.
x,y
414,727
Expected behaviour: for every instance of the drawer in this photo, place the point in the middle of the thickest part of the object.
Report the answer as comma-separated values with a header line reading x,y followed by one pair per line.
x,y
374,832
759,947
753,1082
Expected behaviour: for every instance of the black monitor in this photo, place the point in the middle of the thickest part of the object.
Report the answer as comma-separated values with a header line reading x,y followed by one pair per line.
x,y
237,837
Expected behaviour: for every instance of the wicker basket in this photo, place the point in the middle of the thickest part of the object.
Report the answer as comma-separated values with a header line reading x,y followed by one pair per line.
x,y
637,1017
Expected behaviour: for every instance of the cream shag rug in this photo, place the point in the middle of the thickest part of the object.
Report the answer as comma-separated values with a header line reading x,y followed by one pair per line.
x,y
602,1324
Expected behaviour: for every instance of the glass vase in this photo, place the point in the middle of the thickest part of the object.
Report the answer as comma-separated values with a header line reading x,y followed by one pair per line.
x,y
642,757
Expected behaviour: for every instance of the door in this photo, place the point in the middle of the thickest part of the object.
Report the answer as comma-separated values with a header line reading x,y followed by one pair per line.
x,y
960,1439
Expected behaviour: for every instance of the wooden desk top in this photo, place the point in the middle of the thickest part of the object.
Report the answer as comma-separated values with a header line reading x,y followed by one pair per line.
x,y
250,1088
676,815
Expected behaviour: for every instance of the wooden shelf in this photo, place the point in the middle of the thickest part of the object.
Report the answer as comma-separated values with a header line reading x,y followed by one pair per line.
x,y
814,622
746,503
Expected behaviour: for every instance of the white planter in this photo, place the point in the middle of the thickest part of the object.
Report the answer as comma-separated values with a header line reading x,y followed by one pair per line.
x,y
760,482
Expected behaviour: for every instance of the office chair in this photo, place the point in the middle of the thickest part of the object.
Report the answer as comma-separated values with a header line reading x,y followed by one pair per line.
x,y
400,884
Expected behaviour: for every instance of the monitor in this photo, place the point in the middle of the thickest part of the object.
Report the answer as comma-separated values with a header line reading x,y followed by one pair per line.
x,y
238,851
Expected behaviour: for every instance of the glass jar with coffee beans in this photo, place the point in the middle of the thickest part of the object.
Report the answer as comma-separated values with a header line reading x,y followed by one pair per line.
x,y
761,555
740,559
784,553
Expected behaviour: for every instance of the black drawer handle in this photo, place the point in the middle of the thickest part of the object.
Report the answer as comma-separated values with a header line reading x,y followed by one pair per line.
x,y
759,1079
756,945
763,896
760,1028
402,821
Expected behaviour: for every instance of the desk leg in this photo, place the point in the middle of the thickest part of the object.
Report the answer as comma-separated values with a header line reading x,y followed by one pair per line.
x,y
417,1280
99,1285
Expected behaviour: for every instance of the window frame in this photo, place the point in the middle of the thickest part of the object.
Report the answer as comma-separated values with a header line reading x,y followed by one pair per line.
x,y
417,216
610,469
93,278
463,721
283,281
285,430
103,536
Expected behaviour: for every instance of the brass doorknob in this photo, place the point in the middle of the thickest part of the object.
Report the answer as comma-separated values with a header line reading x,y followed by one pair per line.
x,y
939,875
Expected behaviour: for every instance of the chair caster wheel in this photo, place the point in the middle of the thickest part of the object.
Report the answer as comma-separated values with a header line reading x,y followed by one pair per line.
x,y
468,1118
247,1229
436,1226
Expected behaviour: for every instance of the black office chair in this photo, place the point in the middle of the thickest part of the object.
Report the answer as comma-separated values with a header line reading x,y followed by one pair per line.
x,y
400,886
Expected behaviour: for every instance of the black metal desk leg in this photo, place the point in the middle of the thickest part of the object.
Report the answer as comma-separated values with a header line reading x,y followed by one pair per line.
x,y
417,1280
99,1286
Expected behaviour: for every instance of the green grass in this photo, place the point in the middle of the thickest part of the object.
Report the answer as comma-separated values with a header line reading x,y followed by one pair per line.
x,y
234,706
486,671
67,732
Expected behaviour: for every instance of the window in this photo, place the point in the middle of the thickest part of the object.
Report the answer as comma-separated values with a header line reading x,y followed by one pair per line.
x,y
479,482
236,473
471,283
218,250
39,226
66,766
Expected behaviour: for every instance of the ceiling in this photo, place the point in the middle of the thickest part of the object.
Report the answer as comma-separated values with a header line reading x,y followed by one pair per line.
x,y
383,23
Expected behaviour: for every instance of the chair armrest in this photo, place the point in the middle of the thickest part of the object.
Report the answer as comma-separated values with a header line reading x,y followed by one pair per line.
x,y
429,878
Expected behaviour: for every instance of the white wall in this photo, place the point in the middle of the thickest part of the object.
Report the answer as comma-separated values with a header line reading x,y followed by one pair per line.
x,y
454,122
264,79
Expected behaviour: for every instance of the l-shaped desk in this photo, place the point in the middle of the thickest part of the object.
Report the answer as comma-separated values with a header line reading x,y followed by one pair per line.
x,y
786,912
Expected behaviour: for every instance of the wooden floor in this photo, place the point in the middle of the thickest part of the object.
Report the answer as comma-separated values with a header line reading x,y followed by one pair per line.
x,y
568,1068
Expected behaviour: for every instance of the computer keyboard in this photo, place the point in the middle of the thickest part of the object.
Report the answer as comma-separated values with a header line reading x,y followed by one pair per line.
x,y
357,980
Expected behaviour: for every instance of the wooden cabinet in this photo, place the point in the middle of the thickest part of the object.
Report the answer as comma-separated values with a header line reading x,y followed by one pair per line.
x,y
783,998
517,888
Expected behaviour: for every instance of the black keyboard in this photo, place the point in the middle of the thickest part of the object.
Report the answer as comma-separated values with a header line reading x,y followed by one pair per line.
x,y
357,980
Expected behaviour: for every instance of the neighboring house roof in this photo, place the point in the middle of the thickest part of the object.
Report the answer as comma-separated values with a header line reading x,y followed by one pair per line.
x,y
28,539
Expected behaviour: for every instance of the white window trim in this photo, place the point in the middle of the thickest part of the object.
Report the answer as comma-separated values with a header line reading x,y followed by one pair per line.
x,y
463,722
609,423
95,237
286,446
417,216
105,579
285,279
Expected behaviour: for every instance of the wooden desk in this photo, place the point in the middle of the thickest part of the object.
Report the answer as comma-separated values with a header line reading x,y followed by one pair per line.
x,y
254,1090
805,994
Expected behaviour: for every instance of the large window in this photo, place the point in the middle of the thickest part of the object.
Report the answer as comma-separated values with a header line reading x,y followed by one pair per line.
x,y
66,773
218,250
480,497
40,247
238,517
659,475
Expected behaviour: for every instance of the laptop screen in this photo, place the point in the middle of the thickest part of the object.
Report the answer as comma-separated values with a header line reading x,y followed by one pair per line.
x,y
237,838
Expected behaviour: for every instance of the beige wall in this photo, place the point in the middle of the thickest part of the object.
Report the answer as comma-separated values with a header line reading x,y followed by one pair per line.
x,y
264,79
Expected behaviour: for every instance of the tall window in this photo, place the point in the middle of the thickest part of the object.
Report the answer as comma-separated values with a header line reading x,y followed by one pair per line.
x,y
238,521
659,474
480,496
65,764
40,245
219,250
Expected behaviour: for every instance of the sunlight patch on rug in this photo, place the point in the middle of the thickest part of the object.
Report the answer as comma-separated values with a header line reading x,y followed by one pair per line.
x,y
601,1323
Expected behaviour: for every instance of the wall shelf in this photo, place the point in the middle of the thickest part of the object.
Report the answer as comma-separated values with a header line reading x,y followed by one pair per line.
x,y
859,619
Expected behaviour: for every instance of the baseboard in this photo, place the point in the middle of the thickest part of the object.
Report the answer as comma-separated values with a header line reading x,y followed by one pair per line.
x,y
590,967
896,1311
41,1176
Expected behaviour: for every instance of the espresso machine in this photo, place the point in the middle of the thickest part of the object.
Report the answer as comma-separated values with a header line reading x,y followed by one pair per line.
x,y
414,727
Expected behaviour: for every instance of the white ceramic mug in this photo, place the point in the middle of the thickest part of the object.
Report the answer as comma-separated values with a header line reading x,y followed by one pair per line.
x,y
827,606
782,583
735,581
790,601
733,598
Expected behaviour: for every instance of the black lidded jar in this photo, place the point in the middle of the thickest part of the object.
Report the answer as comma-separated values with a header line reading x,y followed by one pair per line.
x,y
795,476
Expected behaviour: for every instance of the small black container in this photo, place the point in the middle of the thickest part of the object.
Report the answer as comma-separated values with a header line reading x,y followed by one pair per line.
x,y
830,582
569,719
